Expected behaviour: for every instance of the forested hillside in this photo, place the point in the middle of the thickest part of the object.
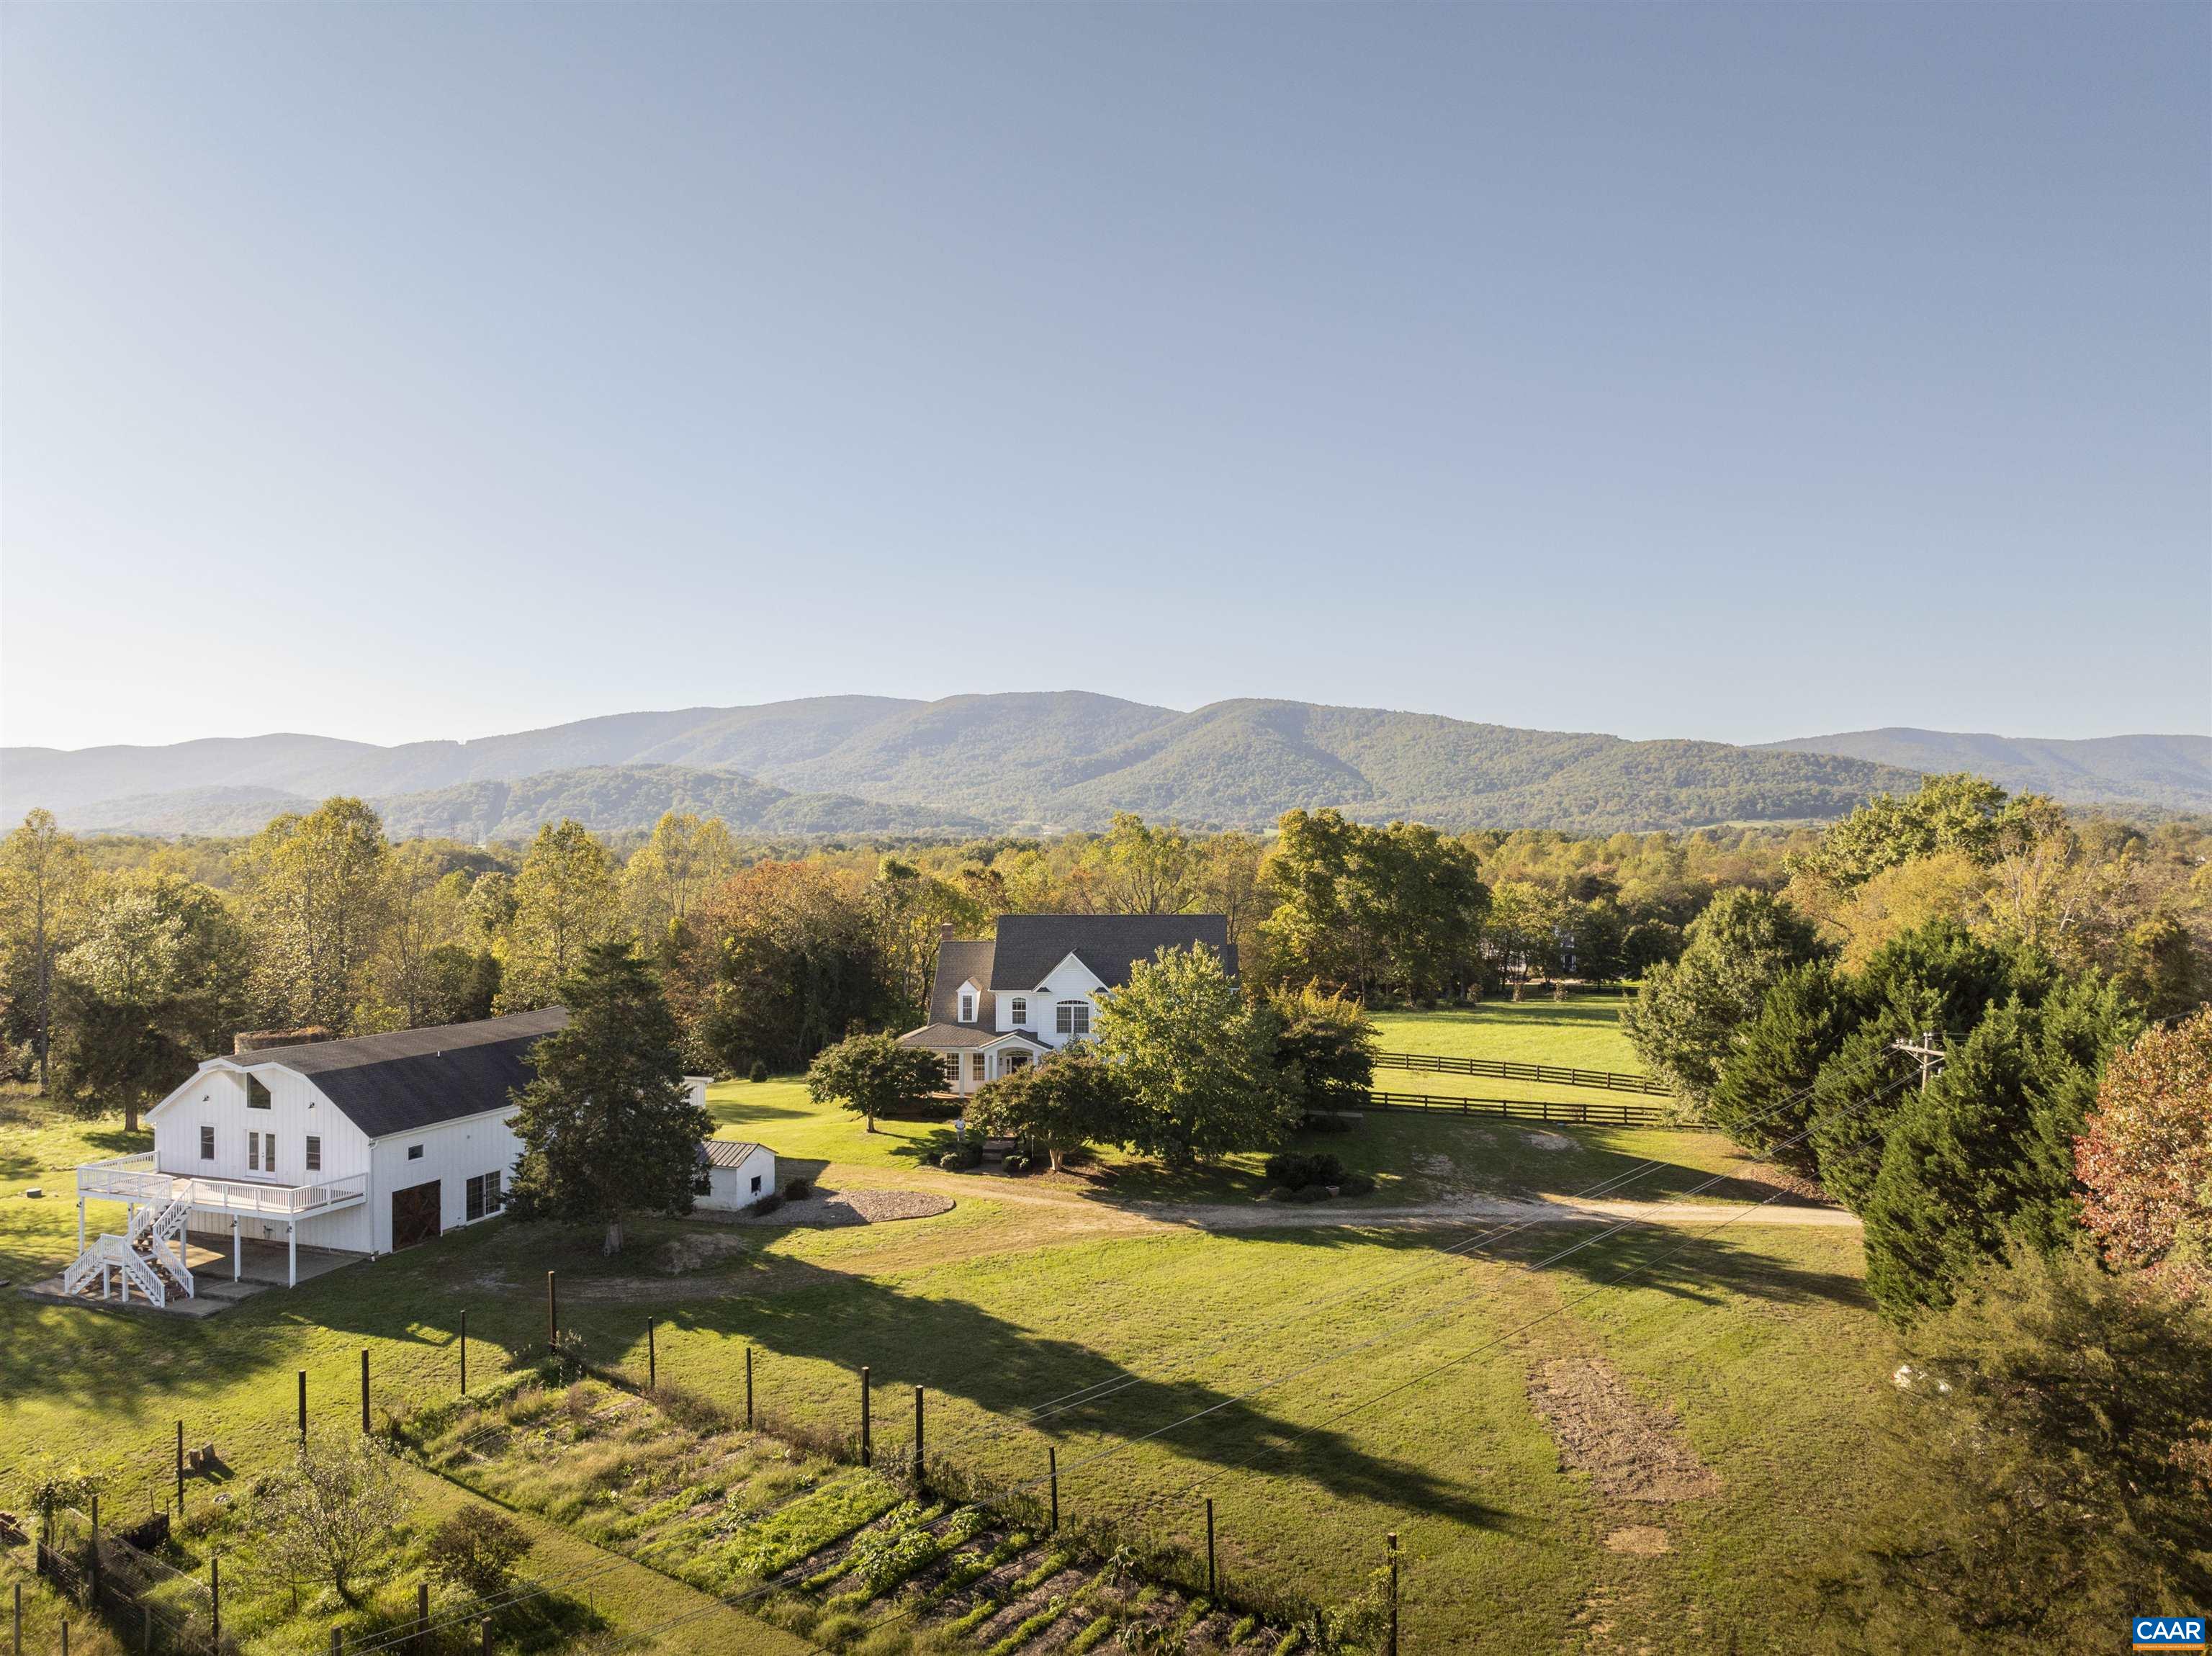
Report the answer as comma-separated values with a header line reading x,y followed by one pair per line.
x,y
2173,771
1059,760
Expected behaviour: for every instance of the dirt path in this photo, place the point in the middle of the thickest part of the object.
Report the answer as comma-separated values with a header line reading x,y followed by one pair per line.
x,y
1108,1213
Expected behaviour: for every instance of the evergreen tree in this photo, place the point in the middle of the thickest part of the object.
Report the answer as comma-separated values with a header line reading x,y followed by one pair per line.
x,y
1982,1156
1763,1097
1685,1020
608,1127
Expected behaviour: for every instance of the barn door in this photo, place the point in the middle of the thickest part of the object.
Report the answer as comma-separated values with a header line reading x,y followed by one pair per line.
x,y
414,1215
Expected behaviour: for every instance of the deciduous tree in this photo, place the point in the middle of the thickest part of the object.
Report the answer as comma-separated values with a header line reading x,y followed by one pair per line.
x,y
319,891
873,1076
41,874
565,906
1195,1060
2145,1159
1072,1100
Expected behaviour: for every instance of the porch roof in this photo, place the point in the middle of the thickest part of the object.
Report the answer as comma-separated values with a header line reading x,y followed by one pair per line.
x,y
948,1037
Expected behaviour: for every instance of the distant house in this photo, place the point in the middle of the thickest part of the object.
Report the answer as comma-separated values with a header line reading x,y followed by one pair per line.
x,y
362,1146
1001,1004
734,1175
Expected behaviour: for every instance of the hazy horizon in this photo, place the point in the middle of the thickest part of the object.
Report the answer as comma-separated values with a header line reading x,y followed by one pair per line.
x,y
1736,372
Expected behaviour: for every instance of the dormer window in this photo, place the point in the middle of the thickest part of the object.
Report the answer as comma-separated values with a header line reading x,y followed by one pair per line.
x,y
1021,1010
967,1006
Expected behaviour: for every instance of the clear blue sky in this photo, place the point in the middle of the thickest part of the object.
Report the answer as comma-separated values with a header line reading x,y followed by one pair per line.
x,y
405,371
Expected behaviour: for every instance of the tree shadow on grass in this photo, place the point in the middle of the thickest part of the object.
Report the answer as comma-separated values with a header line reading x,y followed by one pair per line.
x,y
1701,1264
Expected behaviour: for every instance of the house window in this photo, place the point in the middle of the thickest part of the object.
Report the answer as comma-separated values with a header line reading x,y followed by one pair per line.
x,y
268,1152
315,1154
207,1143
256,1095
952,1072
1021,1011
253,1152
414,1152
976,1065
494,1200
967,1007
1073,1018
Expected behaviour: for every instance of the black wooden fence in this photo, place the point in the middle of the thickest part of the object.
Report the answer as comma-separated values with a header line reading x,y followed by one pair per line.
x,y
1592,1112
1608,1080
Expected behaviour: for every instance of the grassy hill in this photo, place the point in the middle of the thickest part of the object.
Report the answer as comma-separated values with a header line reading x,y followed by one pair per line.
x,y
1053,760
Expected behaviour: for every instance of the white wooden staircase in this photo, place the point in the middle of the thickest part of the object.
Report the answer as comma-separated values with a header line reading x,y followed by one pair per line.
x,y
149,1257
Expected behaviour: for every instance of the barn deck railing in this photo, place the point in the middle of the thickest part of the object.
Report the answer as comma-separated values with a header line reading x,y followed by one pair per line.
x,y
135,1178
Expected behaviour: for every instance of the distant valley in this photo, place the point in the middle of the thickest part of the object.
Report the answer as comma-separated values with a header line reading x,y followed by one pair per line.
x,y
1039,761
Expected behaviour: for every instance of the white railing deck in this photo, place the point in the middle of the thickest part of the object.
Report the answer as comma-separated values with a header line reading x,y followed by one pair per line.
x,y
135,1178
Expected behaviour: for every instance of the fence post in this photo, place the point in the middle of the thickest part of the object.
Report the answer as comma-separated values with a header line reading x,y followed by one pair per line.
x,y
1052,1467
181,1468
92,1551
921,1479
1209,1546
1392,1648
19,1619
64,1636
651,1360
749,1388
487,1636
146,1627
337,1643
364,1391
464,1352
867,1447
303,1406
215,1599
421,1617
552,1316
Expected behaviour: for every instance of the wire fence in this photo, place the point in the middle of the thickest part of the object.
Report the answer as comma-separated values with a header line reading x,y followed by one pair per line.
x,y
1614,1080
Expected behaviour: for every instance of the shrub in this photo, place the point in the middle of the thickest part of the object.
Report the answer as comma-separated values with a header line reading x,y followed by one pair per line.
x,y
1279,1193
1296,1169
768,1203
1017,1165
951,1162
759,1072
797,1191
1310,1193
1354,1183
477,1549
1312,1123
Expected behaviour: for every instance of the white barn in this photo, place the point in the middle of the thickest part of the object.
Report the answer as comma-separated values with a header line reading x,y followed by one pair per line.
x,y
362,1146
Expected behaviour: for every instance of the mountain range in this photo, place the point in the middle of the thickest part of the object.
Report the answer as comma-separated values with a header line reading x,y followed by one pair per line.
x,y
1038,761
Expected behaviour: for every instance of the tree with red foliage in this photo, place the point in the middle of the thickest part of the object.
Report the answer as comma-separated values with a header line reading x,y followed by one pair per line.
x,y
2146,1159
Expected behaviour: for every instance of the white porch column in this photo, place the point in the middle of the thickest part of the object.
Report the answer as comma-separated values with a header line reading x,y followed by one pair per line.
x,y
80,1228
237,1250
292,1253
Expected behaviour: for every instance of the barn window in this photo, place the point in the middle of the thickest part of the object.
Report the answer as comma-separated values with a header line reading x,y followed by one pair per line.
x,y
257,1094
253,1152
756,1184
414,1152
315,1154
207,1143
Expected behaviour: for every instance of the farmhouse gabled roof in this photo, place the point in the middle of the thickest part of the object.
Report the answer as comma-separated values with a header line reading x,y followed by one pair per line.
x,y
412,1078
1030,945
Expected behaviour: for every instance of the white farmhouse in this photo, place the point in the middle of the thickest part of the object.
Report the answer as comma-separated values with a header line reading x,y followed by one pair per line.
x,y
362,1146
1001,1004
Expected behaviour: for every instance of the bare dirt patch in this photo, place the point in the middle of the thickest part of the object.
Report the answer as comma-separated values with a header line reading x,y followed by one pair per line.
x,y
1644,1540
700,1252
1630,1449
850,1207
1541,1140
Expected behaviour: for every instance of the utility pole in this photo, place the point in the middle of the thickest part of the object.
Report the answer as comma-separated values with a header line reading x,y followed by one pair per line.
x,y
1928,1047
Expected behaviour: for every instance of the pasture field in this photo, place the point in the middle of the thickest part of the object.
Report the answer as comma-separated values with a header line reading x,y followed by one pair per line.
x,y
1583,1034
1322,1384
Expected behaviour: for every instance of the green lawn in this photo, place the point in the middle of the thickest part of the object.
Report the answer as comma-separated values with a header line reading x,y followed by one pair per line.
x,y
1759,1339
1583,1034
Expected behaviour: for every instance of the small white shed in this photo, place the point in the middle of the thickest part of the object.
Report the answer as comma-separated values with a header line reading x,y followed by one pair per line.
x,y
736,1175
